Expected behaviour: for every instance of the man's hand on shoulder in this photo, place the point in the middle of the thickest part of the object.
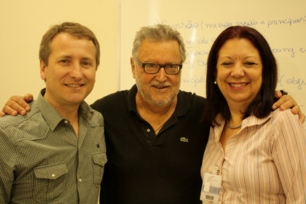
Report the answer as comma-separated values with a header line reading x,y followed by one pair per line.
x,y
17,105
286,101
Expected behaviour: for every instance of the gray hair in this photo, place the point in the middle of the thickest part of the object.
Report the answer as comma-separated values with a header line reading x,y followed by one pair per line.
x,y
158,32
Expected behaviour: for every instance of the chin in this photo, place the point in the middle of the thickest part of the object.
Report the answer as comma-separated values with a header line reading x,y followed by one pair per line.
x,y
162,102
76,100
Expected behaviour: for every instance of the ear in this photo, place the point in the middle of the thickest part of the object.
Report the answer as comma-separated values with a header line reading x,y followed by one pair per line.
x,y
132,62
42,70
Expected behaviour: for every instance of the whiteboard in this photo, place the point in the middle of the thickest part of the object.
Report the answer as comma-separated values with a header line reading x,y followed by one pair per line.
x,y
282,22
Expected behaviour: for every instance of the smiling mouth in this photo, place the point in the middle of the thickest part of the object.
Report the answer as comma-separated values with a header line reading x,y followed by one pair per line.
x,y
75,85
238,85
161,87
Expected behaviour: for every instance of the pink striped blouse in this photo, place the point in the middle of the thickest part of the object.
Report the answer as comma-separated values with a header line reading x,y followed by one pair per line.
x,y
265,162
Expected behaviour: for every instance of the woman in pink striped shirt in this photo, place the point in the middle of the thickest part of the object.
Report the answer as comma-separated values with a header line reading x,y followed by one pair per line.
x,y
254,154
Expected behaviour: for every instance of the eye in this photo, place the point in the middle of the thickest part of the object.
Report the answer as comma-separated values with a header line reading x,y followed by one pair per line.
x,y
171,66
64,61
226,64
150,65
249,64
86,63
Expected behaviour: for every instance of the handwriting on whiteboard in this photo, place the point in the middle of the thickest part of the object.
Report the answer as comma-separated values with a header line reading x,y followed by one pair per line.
x,y
190,24
285,80
198,46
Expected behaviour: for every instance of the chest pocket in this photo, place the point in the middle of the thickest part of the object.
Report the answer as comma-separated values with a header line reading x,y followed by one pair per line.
x,y
49,182
98,162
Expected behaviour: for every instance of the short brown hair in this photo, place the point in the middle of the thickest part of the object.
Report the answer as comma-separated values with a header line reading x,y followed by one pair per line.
x,y
72,28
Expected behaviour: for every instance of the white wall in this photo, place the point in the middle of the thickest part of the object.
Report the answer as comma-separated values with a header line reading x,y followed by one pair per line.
x,y
22,24
115,23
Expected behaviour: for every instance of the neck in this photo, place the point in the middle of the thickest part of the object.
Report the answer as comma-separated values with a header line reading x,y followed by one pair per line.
x,y
155,115
233,127
236,119
70,113
67,111
73,117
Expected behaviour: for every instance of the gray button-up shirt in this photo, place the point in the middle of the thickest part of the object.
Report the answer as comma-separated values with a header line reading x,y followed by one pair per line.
x,y
43,161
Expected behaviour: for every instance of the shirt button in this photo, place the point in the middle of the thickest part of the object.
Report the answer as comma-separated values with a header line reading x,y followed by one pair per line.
x,y
148,130
66,121
53,175
80,180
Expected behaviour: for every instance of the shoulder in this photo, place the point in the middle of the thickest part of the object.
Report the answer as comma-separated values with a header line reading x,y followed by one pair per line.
x,y
110,101
19,119
286,115
24,127
114,96
192,96
91,114
193,99
7,121
285,121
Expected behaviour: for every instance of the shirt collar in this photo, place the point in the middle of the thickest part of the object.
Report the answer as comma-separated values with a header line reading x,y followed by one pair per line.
x,y
247,122
53,118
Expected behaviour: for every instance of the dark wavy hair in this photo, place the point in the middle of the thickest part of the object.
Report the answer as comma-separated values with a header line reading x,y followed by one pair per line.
x,y
261,106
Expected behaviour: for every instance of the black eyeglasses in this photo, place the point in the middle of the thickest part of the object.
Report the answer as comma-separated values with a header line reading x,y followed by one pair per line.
x,y
151,68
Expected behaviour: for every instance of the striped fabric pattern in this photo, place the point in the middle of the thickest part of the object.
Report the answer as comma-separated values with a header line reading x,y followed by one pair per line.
x,y
265,162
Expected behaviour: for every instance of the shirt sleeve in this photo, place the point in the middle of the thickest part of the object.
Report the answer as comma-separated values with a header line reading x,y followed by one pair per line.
x,y
289,153
7,158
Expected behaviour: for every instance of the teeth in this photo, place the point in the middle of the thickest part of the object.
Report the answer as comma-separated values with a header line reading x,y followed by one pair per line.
x,y
74,85
237,85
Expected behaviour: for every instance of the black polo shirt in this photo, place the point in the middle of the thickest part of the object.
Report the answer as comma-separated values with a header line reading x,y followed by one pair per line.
x,y
146,168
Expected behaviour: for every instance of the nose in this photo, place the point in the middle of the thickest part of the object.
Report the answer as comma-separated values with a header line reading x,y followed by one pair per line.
x,y
76,71
161,75
238,70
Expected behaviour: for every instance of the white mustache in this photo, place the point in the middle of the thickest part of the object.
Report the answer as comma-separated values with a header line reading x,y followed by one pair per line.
x,y
156,83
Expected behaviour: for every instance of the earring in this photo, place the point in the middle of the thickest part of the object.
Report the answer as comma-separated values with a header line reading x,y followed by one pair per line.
x,y
215,82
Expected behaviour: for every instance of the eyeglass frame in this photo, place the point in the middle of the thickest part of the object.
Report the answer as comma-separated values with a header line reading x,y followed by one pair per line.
x,y
143,64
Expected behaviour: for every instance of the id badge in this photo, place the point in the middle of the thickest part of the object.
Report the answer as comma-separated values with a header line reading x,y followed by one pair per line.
x,y
211,188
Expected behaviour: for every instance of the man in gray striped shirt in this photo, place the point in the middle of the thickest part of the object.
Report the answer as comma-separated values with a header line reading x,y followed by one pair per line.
x,y
56,153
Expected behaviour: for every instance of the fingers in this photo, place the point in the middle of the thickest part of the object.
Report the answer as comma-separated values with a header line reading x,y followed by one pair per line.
x,y
277,94
15,105
301,117
296,110
286,102
2,114
280,102
28,98
9,111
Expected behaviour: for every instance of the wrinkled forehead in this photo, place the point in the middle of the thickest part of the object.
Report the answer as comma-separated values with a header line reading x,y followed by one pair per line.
x,y
159,49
